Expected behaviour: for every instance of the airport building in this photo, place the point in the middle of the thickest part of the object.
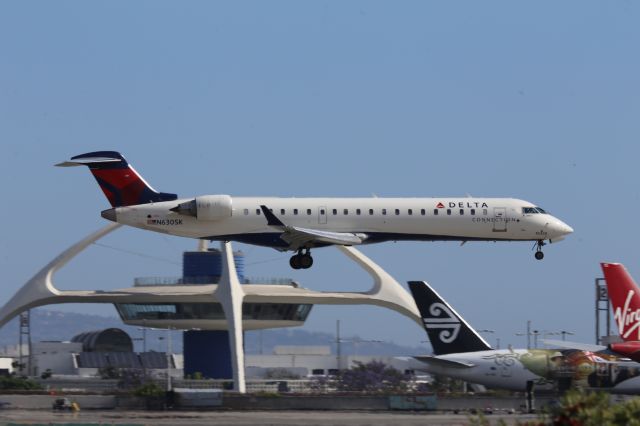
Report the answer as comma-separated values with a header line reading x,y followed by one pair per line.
x,y
213,302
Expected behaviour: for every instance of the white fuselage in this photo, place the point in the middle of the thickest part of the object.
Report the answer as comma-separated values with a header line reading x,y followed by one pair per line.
x,y
497,369
512,368
377,219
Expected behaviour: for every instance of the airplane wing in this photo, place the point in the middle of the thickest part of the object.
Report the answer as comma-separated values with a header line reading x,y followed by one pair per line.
x,y
444,362
298,237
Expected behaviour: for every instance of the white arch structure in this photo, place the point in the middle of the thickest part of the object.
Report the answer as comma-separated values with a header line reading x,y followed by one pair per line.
x,y
40,290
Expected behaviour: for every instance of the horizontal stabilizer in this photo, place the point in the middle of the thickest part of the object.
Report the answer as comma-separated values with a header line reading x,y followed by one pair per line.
x,y
442,362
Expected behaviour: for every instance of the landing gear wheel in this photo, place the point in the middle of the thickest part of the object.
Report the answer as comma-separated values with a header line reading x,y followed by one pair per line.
x,y
294,262
306,261
539,254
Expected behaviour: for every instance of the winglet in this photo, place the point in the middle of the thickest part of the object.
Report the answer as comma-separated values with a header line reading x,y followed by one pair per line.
x,y
272,220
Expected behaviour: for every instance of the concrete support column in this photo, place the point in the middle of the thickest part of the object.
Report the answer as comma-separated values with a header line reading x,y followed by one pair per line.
x,y
230,295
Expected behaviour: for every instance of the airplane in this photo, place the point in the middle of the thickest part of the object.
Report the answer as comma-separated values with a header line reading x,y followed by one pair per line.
x,y
300,224
624,296
460,352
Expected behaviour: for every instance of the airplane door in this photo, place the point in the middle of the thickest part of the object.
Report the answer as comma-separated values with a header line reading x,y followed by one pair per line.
x,y
322,215
500,219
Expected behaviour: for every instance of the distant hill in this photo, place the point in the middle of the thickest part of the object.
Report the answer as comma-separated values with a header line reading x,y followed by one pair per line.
x,y
56,325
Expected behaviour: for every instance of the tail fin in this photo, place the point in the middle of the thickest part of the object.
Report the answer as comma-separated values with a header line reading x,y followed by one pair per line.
x,y
624,296
447,331
121,184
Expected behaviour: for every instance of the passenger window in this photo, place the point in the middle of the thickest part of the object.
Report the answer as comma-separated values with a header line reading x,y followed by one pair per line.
x,y
410,212
449,212
258,212
423,212
384,211
282,211
358,212
473,212
335,212
461,212
322,211
309,212
370,212
484,212
346,212
435,212
397,212
246,212
295,211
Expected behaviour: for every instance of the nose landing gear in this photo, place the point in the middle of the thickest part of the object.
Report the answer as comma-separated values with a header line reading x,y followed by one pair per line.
x,y
539,254
301,260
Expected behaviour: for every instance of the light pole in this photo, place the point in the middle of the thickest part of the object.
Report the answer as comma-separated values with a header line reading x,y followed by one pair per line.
x,y
169,349
530,333
338,345
486,330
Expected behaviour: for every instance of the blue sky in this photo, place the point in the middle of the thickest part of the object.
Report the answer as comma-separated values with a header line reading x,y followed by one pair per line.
x,y
534,100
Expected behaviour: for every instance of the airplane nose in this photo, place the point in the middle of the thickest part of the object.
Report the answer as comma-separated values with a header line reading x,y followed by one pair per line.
x,y
563,228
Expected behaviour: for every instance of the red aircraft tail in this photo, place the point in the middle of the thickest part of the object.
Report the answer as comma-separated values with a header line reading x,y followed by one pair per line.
x,y
121,184
624,296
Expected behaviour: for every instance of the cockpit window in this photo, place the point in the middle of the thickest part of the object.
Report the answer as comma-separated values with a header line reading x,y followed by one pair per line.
x,y
533,210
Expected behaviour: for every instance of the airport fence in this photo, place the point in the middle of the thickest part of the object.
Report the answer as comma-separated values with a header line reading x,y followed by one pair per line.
x,y
98,385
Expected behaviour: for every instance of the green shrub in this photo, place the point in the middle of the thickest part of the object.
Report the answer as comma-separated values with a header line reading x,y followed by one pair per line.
x,y
15,382
584,408
148,390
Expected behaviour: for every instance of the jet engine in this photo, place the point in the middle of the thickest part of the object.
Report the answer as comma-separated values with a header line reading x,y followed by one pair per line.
x,y
206,207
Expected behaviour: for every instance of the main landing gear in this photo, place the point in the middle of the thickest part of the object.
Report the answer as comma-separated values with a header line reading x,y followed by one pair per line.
x,y
301,260
539,254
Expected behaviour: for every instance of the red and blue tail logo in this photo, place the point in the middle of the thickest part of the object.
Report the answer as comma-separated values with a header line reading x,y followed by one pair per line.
x,y
121,184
